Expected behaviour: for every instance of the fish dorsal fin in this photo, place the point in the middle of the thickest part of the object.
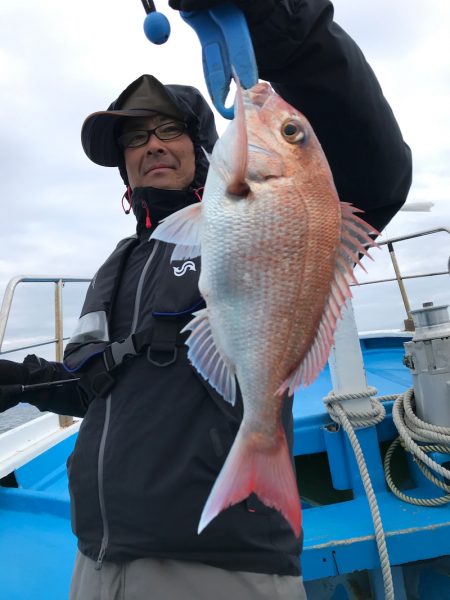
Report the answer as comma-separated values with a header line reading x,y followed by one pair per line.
x,y
206,358
182,228
230,156
354,240
239,153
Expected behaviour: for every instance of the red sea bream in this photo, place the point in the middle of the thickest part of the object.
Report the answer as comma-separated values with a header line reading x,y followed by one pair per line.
x,y
277,249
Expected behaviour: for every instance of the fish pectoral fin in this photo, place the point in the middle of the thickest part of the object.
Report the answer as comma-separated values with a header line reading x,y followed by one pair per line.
x,y
207,154
182,228
206,358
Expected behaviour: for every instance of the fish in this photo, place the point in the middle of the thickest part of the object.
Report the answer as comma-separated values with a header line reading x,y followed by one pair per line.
x,y
277,251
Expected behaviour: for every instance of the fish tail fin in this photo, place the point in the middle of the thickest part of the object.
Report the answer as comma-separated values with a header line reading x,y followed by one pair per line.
x,y
266,472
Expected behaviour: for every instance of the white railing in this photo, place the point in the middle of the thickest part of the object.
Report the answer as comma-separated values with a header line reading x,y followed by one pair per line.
x,y
7,303
59,338
409,325
59,282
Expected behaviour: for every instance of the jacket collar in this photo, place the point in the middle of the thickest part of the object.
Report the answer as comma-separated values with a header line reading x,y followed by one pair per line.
x,y
151,205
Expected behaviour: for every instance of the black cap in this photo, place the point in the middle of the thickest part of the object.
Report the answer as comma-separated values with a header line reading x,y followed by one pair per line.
x,y
142,98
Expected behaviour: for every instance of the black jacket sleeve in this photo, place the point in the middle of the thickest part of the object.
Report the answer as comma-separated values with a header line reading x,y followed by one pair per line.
x,y
315,66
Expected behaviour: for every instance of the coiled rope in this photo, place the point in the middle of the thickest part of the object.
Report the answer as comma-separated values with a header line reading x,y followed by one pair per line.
x,y
411,430
350,421
433,438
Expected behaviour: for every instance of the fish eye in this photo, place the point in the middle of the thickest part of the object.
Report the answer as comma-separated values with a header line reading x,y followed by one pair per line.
x,y
293,131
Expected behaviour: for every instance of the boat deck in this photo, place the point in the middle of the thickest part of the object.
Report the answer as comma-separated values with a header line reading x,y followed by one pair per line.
x,y
38,548
384,371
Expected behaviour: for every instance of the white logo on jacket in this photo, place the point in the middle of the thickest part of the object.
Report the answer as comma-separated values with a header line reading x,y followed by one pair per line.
x,y
187,266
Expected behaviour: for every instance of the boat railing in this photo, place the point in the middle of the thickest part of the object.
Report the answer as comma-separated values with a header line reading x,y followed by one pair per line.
x,y
58,339
399,278
59,283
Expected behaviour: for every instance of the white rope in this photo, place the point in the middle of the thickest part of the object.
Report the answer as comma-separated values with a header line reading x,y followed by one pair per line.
x,y
349,421
358,419
411,429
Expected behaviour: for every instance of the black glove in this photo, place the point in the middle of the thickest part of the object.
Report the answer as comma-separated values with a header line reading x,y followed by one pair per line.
x,y
259,9
188,5
11,373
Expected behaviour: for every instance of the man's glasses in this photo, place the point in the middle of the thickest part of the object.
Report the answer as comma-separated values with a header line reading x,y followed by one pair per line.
x,y
166,131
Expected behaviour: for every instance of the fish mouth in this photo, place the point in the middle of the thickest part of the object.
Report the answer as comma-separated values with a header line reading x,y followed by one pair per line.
x,y
256,148
260,93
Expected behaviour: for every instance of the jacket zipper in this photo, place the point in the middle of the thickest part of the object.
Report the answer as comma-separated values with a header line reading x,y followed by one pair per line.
x,y
101,452
137,302
101,493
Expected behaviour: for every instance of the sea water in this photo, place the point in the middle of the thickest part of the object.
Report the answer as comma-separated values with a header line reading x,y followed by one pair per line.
x,y
17,416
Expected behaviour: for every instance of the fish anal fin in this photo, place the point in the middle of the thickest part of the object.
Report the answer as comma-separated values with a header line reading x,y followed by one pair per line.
x,y
207,359
182,228
268,474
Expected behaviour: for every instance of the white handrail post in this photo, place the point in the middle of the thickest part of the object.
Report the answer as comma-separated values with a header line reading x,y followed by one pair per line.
x,y
64,420
348,376
58,321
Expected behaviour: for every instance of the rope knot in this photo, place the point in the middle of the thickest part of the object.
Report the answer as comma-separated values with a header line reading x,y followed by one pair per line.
x,y
357,419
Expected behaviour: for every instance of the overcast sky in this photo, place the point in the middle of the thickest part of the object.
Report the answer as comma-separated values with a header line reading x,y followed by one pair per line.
x,y
59,61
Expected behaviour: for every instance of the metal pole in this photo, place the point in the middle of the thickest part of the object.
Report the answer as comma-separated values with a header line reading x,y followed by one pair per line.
x,y
9,294
409,324
58,321
64,420
6,306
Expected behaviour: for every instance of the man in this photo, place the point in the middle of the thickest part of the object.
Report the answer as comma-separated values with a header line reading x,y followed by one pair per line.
x,y
154,434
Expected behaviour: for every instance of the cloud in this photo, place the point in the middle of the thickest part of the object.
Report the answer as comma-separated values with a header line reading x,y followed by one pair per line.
x,y
61,214
391,30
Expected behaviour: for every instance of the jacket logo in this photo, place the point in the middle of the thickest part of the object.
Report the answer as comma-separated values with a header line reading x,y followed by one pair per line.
x,y
187,266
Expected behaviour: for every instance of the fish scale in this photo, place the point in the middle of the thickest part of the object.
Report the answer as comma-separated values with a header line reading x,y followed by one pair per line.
x,y
248,335
277,250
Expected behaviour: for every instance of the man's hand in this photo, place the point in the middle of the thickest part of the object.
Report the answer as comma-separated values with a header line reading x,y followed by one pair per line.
x,y
188,5
11,373
245,5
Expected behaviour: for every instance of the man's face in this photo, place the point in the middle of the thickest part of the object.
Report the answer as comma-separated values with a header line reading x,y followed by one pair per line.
x,y
163,164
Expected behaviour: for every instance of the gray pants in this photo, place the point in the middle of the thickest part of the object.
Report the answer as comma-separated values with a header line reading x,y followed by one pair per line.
x,y
155,579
